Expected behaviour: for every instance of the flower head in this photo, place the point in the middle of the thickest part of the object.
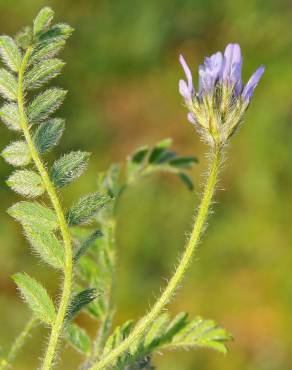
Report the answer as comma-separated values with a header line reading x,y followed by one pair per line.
x,y
217,108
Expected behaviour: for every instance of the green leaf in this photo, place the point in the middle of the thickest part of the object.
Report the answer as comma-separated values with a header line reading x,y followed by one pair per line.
x,y
158,149
24,37
46,245
183,162
200,333
87,244
45,104
10,53
59,31
36,297
119,334
140,154
35,215
153,336
89,271
109,181
136,161
79,301
46,50
17,154
78,338
27,183
186,180
86,208
43,20
42,72
10,116
48,134
68,168
8,85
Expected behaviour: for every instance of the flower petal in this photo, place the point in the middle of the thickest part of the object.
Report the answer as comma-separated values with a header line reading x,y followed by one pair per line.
x,y
187,72
232,66
184,90
252,83
191,118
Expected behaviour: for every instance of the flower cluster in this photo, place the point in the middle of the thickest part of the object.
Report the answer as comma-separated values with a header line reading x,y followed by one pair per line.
x,y
217,108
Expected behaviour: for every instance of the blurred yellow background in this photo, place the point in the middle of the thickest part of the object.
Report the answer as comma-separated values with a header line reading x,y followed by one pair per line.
x,y
122,74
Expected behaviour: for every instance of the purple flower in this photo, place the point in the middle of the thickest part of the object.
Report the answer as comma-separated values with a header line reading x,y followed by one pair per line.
x,y
223,70
221,99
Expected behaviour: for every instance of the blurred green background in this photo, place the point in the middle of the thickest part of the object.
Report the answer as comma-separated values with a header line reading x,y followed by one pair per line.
x,y
122,73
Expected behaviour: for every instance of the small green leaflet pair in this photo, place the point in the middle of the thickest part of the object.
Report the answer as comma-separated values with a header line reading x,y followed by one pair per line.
x,y
167,334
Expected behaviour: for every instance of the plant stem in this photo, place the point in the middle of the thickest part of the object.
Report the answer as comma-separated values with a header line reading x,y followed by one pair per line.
x,y
192,244
68,269
18,343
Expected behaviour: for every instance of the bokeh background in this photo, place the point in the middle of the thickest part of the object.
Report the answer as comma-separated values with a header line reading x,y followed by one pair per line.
x,y
122,73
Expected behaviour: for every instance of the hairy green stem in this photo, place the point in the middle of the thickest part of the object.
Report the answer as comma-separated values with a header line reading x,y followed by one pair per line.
x,y
174,282
57,326
18,343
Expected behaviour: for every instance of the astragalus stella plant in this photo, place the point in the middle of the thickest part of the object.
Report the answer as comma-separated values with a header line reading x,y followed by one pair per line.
x,y
85,253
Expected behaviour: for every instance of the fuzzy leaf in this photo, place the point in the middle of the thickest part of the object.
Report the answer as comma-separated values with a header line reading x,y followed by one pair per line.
x,y
36,297
10,116
87,244
201,333
78,339
59,31
24,37
45,104
42,72
35,215
153,335
178,333
46,245
17,154
43,20
27,183
48,134
46,50
109,181
79,301
8,85
68,168
86,208
10,53
119,334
